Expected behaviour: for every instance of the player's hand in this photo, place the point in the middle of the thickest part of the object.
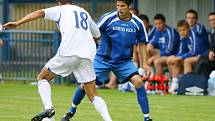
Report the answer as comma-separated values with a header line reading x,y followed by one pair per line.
x,y
1,43
10,25
148,70
211,56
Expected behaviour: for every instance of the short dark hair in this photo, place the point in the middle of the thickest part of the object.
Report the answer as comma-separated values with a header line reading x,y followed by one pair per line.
x,y
182,23
64,1
128,2
144,17
160,16
136,10
211,13
193,12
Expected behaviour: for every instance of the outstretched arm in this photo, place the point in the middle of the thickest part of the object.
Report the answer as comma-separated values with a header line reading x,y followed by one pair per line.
x,y
30,17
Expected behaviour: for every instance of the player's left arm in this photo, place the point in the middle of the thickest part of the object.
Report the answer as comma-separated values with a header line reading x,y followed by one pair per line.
x,y
143,39
30,17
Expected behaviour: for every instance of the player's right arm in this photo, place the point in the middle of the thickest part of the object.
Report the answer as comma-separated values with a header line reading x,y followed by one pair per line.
x,y
30,17
95,31
52,13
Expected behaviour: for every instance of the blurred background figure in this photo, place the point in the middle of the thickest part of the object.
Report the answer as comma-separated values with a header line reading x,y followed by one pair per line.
x,y
149,28
163,44
206,63
192,18
190,45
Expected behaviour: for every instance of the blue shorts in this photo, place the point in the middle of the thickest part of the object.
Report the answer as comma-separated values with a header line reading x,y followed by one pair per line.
x,y
123,71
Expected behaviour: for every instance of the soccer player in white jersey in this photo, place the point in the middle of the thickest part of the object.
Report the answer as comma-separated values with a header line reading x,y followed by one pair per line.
x,y
75,54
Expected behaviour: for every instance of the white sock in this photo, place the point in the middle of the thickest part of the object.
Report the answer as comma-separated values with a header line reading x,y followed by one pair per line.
x,y
49,119
146,115
44,89
74,106
175,80
101,107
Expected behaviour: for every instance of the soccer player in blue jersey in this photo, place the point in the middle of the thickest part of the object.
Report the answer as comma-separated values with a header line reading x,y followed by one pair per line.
x,y
192,18
190,45
163,44
120,31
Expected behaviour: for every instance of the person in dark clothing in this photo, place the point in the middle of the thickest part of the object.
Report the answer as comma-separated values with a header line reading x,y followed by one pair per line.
x,y
206,64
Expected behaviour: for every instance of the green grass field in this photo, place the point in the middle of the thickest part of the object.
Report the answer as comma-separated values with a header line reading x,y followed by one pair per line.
x,y
20,102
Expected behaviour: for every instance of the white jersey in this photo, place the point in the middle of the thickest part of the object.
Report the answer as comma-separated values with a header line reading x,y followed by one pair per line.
x,y
77,29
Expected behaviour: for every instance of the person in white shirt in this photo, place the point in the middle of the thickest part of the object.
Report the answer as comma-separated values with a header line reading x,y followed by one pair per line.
x,y
75,54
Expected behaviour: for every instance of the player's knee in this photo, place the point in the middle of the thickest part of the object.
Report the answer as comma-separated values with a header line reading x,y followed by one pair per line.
x,y
156,62
186,62
42,76
138,83
169,62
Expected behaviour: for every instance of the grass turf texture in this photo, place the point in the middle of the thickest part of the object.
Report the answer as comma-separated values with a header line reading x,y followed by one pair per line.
x,y
20,102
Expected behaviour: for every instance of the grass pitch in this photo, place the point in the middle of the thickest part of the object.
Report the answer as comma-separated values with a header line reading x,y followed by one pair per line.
x,y
20,102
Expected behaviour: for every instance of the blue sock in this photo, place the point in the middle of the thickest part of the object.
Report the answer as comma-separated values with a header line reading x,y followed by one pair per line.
x,y
79,95
142,99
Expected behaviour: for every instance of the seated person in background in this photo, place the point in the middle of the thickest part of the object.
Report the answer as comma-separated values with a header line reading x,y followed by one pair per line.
x,y
149,28
164,43
192,18
190,46
206,64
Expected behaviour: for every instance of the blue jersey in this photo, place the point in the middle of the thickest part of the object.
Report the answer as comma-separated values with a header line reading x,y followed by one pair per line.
x,y
151,32
119,37
203,35
166,41
190,46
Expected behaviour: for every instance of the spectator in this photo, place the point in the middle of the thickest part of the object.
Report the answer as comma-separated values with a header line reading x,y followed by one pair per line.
x,y
163,44
192,18
206,64
189,46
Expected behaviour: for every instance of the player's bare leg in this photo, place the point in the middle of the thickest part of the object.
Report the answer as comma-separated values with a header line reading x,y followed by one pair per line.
x,y
188,64
158,64
44,89
176,63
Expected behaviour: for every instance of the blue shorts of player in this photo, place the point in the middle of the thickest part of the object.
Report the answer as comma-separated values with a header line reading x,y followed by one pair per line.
x,y
124,71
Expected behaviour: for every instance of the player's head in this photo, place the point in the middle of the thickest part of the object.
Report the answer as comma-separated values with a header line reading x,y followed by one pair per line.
x,y
160,21
123,7
211,19
134,11
183,28
145,20
63,2
191,17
